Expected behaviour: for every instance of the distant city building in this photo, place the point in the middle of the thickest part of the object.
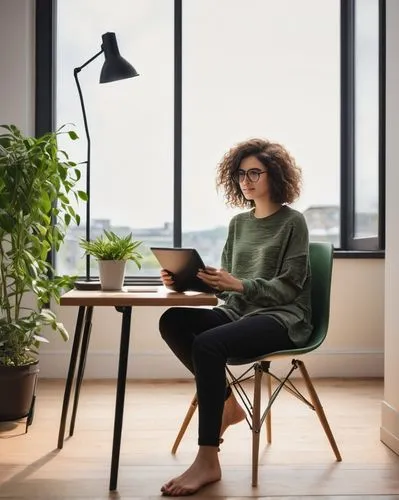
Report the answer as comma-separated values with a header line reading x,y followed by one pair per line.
x,y
324,222
70,258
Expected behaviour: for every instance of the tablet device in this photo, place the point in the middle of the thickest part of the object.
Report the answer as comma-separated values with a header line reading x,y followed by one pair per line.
x,y
183,264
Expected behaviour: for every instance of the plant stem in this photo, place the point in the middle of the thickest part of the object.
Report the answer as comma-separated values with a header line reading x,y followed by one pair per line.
x,y
5,301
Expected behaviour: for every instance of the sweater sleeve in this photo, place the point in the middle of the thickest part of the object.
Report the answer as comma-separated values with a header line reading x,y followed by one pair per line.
x,y
290,278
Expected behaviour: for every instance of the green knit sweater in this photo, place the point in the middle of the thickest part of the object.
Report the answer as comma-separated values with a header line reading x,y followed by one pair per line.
x,y
271,257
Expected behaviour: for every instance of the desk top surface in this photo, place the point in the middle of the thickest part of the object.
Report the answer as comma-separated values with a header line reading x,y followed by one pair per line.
x,y
137,296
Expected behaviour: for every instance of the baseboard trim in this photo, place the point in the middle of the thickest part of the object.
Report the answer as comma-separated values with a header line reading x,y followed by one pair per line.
x,y
163,365
389,431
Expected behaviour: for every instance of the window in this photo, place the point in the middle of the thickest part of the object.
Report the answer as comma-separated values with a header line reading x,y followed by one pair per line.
x,y
366,118
130,122
363,123
213,74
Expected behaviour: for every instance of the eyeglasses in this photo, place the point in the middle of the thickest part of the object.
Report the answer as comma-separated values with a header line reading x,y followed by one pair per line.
x,y
253,174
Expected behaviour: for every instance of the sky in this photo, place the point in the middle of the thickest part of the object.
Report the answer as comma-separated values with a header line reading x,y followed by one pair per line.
x,y
250,68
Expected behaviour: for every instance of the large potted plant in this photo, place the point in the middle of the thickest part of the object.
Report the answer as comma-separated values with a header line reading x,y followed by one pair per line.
x,y
112,252
38,187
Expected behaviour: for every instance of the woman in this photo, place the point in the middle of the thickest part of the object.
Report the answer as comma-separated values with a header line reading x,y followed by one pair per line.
x,y
264,283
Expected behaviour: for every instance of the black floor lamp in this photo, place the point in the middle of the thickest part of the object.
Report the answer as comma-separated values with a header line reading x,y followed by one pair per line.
x,y
115,67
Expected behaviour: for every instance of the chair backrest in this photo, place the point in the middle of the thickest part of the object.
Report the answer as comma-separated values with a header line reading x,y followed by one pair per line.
x,y
321,263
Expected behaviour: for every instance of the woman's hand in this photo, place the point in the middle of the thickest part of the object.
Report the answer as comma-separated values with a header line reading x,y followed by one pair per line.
x,y
220,279
167,278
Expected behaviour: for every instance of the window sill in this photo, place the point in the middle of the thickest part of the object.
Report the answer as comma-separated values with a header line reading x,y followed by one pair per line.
x,y
359,254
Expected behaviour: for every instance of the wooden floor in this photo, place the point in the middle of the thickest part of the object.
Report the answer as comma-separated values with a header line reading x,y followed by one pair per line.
x,y
299,463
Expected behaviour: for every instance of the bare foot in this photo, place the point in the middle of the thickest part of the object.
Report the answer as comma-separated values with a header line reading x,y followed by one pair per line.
x,y
232,414
204,470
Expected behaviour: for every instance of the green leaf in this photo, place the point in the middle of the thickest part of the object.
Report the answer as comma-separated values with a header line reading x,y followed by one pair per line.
x,y
39,338
110,246
73,135
83,195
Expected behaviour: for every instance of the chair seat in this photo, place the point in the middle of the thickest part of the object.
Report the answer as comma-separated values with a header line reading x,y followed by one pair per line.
x,y
273,355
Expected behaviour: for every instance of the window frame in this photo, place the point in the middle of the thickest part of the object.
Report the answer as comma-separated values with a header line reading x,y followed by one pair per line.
x,y
350,247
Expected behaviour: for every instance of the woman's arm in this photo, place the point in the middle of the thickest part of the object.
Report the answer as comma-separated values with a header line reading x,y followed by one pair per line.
x,y
226,259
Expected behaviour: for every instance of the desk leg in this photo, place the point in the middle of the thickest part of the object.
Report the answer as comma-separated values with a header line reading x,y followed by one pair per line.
x,y
82,365
71,372
120,393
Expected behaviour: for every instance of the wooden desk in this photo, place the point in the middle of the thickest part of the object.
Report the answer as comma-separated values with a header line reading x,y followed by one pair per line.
x,y
123,302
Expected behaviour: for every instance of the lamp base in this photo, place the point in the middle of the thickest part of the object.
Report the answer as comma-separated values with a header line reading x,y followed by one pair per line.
x,y
87,285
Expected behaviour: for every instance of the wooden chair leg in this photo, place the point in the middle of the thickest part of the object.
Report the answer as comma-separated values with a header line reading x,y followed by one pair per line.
x,y
186,421
319,409
269,413
256,423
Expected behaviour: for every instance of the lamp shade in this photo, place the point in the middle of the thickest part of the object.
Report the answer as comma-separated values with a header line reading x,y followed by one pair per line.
x,y
115,66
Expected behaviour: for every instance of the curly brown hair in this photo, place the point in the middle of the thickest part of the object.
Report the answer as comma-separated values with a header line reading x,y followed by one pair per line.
x,y
284,176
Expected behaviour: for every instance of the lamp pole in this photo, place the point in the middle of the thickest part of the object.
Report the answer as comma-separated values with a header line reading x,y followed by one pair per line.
x,y
76,72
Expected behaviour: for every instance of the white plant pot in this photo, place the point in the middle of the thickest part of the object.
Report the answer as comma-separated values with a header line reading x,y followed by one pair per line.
x,y
112,274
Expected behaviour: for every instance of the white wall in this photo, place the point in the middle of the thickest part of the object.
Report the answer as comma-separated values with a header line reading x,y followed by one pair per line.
x,y
355,342
390,405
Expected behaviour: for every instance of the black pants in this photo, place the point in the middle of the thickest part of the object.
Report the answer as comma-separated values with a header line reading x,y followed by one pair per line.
x,y
203,340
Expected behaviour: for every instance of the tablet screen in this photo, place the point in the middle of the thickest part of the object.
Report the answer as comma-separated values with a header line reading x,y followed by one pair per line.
x,y
183,264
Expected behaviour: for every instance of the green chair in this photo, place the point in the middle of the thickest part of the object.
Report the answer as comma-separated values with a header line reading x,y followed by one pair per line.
x,y
321,261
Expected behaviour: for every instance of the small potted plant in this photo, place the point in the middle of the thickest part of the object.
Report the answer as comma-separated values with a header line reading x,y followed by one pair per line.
x,y
112,252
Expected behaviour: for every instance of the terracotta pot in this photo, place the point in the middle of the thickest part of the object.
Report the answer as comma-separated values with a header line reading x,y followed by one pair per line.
x,y
17,389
